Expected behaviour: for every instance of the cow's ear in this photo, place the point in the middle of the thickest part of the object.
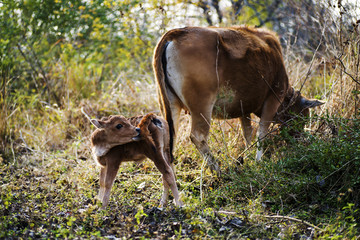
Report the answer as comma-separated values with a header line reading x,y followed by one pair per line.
x,y
310,103
96,123
234,43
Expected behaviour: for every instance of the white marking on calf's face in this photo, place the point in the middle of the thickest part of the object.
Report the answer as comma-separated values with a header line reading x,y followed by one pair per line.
x,y
137,138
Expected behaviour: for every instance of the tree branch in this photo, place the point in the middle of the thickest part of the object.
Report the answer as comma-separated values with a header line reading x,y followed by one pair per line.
x,y
277,217
292,219
205,7
36,72
344,69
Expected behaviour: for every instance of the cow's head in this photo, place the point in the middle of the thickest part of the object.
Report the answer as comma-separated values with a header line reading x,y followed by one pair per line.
x,y
111,132
295,108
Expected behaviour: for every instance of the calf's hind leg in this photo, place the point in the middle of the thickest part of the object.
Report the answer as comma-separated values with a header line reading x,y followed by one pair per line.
x,y
169,181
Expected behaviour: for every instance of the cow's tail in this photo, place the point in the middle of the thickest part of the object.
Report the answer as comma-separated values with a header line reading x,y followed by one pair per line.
x,y
159,67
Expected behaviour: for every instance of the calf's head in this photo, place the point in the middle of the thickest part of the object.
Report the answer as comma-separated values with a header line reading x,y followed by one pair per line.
x,y
111,132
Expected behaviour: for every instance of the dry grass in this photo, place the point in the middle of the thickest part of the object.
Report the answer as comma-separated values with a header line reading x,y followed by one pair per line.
x,y
49,180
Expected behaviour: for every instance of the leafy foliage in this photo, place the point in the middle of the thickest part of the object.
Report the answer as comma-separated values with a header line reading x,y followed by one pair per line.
x,y
59,58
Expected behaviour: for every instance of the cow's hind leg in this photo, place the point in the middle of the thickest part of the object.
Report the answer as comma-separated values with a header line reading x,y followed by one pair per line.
x,y
200,126
175,106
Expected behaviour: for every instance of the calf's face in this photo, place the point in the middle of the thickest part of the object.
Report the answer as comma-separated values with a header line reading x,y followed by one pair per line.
x,y
112,131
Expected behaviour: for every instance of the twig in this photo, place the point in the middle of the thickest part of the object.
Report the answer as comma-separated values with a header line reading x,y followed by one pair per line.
x,y
87,116
8,117
12,150
26,146
205,160
226,212
277,217
189,184
344,69
43,73
312,60
339,169
291,219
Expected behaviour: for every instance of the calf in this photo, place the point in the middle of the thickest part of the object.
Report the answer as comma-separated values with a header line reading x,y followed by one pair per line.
x,y
118,139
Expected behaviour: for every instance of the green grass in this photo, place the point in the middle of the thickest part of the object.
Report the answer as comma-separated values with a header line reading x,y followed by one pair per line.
x,y
52,193
304,188
307,186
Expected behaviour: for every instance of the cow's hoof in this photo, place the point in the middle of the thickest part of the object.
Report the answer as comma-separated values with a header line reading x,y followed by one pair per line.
x,y
212,164
214,167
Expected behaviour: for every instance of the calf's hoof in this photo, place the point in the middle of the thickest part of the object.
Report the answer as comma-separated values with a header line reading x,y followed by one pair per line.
x,y
178,204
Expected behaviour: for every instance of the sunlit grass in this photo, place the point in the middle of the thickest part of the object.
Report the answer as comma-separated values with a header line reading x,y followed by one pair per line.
x,y
49,181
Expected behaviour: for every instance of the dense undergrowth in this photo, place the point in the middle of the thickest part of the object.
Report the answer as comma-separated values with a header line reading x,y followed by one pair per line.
x,y
306,187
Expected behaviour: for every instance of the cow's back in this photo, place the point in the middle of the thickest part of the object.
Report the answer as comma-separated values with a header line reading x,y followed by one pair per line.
x,y
241,66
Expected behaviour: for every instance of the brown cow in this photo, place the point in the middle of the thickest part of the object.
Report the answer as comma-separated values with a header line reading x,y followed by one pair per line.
x,y
224,73
117,139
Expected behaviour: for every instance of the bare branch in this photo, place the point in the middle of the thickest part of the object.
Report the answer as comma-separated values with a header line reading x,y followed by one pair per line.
x,y
312,60
204,5
277,217
292,219
237,6
344,69
43,73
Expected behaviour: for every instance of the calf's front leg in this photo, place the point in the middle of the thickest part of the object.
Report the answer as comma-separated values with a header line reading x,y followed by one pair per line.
x,y
107,177
165,195
102,183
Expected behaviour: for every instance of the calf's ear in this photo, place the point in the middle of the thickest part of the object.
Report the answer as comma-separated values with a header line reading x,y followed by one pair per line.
x,y
310,103
96,123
